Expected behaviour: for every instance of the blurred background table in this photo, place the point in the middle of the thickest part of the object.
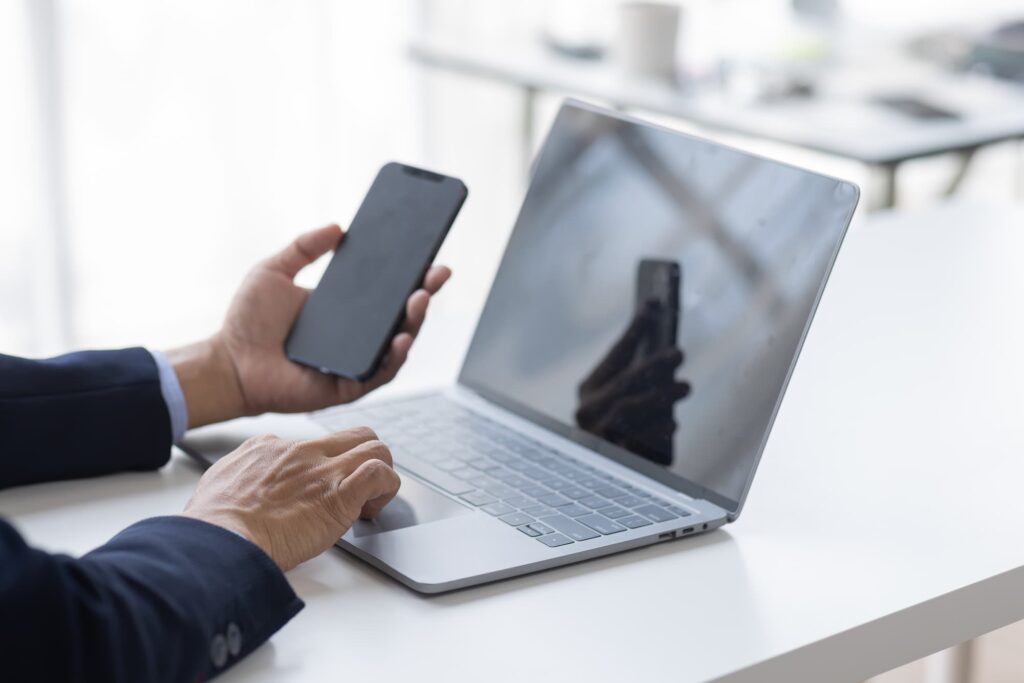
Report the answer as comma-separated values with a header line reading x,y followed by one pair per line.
x,y
839,116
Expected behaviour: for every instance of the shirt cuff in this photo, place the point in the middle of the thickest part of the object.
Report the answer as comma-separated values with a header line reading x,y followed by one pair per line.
x,y
170,389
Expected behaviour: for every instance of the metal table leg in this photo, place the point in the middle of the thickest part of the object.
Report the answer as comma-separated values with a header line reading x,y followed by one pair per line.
x,y
886,197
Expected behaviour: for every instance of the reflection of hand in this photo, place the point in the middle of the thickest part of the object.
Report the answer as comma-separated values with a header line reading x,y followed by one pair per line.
x,y
243,370
295,499
628,398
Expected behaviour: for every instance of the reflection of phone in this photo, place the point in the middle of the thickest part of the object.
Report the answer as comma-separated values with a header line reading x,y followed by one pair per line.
x,y
659,283
349,319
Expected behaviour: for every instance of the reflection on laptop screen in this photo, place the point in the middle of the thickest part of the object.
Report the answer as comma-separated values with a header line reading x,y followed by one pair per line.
x,y
654,294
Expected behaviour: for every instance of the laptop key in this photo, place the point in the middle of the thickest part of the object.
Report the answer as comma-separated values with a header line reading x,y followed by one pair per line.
x,y
610,492
614,512
575,492
497,509
518,501
483,464
554,500
498,490
529,531
442,480
537,510
658,514
449,465
630,501
516,519
678,510
554,540
478,498
600,524
555,484
574,510
634,521
540,528
570,528
594,502
534,491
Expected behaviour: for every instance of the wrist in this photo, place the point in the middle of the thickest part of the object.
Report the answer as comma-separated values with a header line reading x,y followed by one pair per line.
x,y
236,522
209,382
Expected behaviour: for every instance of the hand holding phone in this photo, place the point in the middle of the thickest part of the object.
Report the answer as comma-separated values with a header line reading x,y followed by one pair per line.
x,y
349,319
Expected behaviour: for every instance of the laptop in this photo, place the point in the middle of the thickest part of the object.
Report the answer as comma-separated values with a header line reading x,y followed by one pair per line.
x,y
626,369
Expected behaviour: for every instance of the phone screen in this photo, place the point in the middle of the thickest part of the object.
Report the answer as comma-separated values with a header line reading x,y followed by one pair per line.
x,y
349,319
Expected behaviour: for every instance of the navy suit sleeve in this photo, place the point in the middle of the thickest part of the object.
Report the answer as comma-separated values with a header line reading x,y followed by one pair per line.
x,y
81,415
168,599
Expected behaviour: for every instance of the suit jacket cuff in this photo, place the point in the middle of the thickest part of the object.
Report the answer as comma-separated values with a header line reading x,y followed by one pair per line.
x,y
174,397
237,594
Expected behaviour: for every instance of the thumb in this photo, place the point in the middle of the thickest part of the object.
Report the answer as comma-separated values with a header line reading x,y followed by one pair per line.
x,y
304,249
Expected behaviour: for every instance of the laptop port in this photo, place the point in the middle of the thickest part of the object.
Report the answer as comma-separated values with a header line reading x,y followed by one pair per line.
x,y
668,535
688,530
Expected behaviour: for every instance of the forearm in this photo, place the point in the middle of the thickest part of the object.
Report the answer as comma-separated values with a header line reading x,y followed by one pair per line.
x,y
208,381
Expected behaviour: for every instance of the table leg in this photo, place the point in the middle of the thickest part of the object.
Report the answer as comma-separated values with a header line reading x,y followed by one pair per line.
x,y
964,158
950,666
886,186
526,130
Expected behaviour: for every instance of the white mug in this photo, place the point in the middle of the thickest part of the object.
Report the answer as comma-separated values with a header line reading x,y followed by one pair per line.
x,y
645,45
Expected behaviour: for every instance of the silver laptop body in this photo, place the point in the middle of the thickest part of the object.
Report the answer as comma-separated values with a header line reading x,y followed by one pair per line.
x,y
628,364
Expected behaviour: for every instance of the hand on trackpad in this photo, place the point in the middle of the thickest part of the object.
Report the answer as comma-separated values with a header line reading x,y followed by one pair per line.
x,y
415,504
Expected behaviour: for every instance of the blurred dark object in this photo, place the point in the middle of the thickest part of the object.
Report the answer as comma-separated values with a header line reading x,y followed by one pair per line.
x,y
584,51
1000,53
816,11
916,108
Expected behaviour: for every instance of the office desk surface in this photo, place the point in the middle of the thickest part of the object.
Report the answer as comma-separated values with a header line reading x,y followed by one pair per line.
x,y
885,522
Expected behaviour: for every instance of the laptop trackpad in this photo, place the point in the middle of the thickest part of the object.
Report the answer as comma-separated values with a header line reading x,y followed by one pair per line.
x,y
415,504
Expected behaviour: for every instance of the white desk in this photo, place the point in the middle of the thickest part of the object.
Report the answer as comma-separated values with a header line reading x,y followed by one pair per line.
x,y
841,121
884,524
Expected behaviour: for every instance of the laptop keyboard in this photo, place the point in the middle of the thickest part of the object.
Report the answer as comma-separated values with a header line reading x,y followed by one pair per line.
x,y
530,487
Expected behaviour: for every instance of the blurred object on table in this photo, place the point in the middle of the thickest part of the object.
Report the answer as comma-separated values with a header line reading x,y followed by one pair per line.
x,y
1000,52
646,40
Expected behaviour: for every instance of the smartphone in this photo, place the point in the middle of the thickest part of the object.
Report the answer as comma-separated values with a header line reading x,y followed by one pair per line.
x,y
348,321
659,283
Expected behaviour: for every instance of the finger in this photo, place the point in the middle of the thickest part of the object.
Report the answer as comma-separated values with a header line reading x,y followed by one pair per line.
x,y
368,489
622,351
416,311
392,363
346,463
652,374
304,249
340,442
435,278
373,507
654,371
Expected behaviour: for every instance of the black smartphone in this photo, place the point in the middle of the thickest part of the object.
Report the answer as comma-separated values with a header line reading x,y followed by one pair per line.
x,y
658,283
348,321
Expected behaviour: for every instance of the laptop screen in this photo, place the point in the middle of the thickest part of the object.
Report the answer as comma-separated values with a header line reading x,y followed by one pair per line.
x,y
653,297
